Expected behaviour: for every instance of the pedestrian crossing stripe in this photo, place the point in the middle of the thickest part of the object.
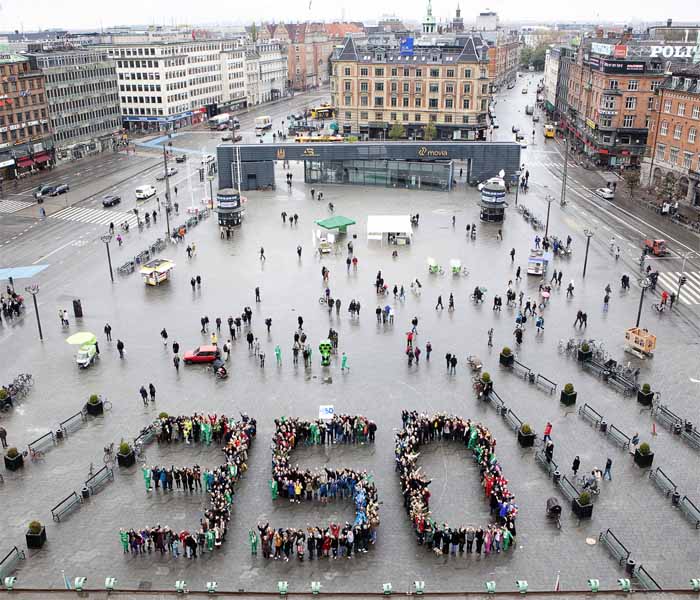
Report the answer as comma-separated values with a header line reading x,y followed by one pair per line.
x,y
10,206
93,215
690,292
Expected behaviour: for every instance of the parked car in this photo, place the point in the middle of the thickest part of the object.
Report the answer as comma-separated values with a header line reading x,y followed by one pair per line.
x,y
181,159
605,193
110,201
60,189
163,175
524,91
227,137
202,354
535,118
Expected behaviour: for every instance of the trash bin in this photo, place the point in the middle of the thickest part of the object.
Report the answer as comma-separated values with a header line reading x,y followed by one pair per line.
x,y
556,476
531,377
677,428
688,427
85,492
77,308
675,498
603,427
630,566
606,376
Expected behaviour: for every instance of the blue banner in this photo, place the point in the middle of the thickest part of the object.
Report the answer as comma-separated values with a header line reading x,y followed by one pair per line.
x,y
406,46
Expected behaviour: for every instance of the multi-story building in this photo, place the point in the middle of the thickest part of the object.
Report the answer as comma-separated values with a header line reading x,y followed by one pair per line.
x,y
252,75
444,85
504,48
675,131
551,78
233,80
83,97
26,142
272,61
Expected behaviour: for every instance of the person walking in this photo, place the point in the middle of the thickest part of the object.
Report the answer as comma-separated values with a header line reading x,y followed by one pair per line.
x,y
517,274
547,432
152,392
144,395
512,255
199,281
299,251
606,300
262,253
575,465
428,349
176,348
120,348
569,289
344,363
490,334
176,362
108,332
164,336
439,303
607,474
3,437
257,294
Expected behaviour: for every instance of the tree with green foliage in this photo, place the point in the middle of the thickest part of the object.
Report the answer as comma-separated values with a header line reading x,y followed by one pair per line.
x,y
254,32
429,132
631,178
397,132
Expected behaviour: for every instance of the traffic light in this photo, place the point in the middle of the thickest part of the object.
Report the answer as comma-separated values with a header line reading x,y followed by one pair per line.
x,y
682,280
201,174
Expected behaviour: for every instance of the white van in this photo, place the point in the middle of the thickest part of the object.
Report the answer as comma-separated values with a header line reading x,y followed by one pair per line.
x,y
262,124
145,191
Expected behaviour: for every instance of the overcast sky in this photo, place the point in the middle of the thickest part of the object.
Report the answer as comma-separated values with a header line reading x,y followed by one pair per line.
x,y
92,14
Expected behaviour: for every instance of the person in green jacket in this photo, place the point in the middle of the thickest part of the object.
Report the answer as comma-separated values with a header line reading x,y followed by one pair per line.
x,y
124,539
344,363
146,477
507,538
273,488
278,355
253,537
210,537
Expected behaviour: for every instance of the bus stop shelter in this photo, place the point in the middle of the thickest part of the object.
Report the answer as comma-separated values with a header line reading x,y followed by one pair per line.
x,y
340,223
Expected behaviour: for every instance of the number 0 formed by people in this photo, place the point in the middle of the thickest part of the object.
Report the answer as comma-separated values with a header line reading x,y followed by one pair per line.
x,y
293,484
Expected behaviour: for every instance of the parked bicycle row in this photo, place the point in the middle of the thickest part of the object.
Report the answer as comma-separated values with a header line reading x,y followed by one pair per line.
x,y
15,391
142,257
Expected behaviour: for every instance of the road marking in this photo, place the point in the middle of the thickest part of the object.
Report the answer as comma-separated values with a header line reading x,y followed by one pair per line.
x,y
690,292
11,206
52,252
92,215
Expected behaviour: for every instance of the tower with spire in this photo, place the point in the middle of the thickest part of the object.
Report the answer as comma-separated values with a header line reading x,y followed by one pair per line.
x,y
429,24
458,21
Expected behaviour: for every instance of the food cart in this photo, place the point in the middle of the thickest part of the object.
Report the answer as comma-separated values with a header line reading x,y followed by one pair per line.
x,y
157,271
538,261
640,342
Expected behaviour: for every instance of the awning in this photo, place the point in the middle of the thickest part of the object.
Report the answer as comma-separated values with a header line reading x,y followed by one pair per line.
x,y
42,158
339,222
25,161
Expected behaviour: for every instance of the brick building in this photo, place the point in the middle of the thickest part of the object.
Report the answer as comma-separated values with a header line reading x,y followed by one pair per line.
x,y
446,85
26,141
675,131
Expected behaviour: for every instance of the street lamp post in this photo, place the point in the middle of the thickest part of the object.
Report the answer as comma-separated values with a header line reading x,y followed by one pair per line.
x,y
107,238
167,192
562,201
549,198
589,234
517,185
644,284
34,290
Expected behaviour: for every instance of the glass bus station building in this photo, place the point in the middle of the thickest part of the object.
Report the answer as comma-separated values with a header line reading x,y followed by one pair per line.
x,y
410,165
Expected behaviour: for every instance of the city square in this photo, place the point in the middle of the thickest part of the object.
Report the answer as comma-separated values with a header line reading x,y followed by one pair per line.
x,y
320,307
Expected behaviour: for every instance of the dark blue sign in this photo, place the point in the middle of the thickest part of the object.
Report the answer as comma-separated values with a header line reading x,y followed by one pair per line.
x,y
406,46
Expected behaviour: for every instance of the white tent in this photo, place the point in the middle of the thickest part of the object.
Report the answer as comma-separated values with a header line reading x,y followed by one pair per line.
x,y
392,228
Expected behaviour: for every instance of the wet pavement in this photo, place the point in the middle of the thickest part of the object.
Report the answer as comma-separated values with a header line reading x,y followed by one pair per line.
x,y
379,384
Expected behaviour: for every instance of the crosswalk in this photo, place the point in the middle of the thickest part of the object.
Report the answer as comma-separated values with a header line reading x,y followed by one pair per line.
x,y
690,292
10,206
93,215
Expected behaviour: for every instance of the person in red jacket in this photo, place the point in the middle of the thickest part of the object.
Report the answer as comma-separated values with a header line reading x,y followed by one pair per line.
x,y
547,432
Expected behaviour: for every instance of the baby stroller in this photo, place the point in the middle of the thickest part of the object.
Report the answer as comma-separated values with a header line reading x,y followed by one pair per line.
x,y
554,511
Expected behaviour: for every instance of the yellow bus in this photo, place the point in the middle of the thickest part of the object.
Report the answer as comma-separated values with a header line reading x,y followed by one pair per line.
x,y
549,131
324,111
310,139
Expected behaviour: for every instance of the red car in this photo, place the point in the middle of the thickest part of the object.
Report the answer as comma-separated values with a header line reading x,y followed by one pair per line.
x,y
202,354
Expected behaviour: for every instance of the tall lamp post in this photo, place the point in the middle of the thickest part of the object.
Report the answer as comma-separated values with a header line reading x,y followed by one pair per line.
x,y
107,238
34,290
589,234
562,201
518,173
167,192
549,198
644,284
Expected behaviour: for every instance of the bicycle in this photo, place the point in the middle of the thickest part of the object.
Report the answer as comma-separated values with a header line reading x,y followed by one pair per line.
x,y
323,300
140,451
106,404
110,457
658,307
33,454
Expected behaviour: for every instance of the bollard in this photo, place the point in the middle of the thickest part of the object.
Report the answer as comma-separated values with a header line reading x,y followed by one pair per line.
x,y
675,499
694,584
180,586
521,584
420,587
490,587
630,566
211,587
625,584
10,583
594,585
79,583
110,582
282,587
386,589
556,476
315,588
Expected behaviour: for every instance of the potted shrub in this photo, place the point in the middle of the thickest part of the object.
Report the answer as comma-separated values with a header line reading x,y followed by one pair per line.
x,y
94,405
643,456
487,383
163,415
645,395
125,456
13,460
506,357
36,535
584,352
582,506
526,437
568,395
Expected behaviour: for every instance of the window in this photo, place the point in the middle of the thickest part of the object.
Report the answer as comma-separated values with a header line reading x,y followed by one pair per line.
x,y
433,118
691,135
363,116
392,116
419,72
466,103
465,119
605,121
667,106
348,100
449,103
364,86
450,72
696,112
664,128
467,73
433,88
364,72
673,156
613,84
419,88
379,72
348,85
687,160
608,102
378,86
405,116
405,74
433,103
378,101
633,85
630,103
348,116
417,117
655,85
660,151
650,103
418,102
405,88
394,101
404,101
677,131
378,116
681,109
448,118
484,103
450,88
394,72
435,73
364,101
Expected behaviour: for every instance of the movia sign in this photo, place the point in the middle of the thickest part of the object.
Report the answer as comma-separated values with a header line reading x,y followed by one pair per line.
x,y
673,51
